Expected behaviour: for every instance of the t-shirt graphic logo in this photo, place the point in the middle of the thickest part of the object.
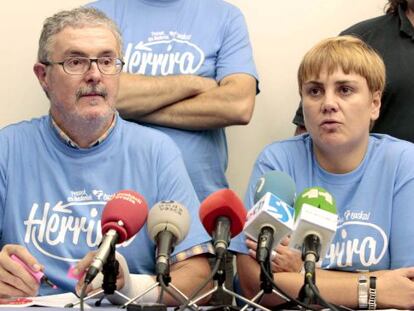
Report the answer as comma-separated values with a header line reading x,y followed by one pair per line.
x,y
48,226
367,248
163,54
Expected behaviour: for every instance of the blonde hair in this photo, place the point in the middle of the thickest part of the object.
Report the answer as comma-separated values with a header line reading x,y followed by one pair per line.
x,y
348,53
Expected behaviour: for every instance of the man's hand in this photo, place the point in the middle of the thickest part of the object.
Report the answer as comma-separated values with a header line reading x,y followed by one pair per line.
x,y
15,280
82,268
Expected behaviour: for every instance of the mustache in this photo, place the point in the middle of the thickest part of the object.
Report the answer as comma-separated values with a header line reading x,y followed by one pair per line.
x,y
92,89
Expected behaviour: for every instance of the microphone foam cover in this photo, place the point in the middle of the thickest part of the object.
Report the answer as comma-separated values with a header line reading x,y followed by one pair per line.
x,y
171,216
224,202
277,183
126,213
317,197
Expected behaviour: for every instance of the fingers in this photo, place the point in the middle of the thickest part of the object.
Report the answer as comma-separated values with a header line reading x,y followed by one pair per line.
x,y
96,284
15,278
251,245
252,254
83,265
285,241
80,270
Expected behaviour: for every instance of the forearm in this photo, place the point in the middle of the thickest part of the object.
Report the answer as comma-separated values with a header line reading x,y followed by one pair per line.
x,y
140,95
185,275
230,104
334,286
188,275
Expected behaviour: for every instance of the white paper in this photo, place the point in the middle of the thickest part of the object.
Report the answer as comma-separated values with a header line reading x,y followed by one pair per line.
x,y
59,301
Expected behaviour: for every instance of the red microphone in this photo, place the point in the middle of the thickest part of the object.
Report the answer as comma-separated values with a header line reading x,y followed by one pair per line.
x,y
223,215
123,216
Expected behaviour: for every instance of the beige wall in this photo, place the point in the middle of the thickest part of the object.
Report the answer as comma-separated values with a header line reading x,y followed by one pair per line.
x,y
281,32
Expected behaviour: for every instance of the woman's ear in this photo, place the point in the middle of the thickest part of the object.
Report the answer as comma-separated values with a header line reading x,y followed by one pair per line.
x,y
375,105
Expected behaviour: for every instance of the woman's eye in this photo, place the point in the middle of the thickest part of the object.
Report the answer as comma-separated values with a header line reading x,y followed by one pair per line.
x,y
346,90
314,91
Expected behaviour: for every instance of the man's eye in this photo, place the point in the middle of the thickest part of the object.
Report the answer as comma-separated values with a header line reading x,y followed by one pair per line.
x,y
73,62
106,61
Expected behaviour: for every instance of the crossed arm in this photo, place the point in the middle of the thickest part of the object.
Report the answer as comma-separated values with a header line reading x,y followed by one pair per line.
x,y
186,101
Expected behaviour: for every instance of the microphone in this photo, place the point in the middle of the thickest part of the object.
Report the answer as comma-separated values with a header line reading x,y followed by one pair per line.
x,y
278,183
271,218
168,224
123,216
315,226
223,215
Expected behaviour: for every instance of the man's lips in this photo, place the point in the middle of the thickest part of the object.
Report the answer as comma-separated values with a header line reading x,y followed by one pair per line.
x,y
92,94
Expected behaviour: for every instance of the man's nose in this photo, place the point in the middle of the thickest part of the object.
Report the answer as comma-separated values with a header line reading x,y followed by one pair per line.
x,y
93,74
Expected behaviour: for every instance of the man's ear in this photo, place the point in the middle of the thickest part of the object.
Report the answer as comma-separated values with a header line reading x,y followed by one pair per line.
x,y
40,72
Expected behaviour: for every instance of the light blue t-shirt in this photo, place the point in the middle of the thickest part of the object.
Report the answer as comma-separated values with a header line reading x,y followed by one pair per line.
x,y
197,37
375,202
52,195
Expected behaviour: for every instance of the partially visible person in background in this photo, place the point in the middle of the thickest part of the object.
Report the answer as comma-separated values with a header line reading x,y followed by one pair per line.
x,y
189,72
392,36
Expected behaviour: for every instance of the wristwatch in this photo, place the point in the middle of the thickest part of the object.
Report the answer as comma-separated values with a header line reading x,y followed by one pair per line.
x,y
372,297
362,292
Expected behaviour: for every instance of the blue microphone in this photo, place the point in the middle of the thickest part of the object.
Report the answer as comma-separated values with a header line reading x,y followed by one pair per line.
x,y
272,216
279,184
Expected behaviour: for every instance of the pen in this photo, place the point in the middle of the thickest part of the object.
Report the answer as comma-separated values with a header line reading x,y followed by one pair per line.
x,y
39,275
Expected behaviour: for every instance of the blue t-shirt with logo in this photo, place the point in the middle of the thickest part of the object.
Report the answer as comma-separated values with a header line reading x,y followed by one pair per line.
x,y
375,202
52,195
195,37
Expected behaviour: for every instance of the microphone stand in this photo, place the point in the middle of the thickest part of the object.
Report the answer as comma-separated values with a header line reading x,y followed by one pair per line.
x,y
266,286
164,281
110,271
310,255
219,284
264,249
306,294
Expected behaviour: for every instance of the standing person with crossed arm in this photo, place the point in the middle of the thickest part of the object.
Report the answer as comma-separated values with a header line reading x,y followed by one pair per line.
x,y
189,72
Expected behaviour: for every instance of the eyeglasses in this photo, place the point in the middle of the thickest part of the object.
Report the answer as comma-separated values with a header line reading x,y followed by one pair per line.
x,y
80,65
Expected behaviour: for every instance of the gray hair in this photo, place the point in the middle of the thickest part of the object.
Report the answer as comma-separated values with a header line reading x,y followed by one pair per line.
x,y
76,18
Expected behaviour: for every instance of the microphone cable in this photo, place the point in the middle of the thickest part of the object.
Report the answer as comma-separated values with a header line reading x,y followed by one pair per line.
x,y
290,299
204,284
164,287
318,295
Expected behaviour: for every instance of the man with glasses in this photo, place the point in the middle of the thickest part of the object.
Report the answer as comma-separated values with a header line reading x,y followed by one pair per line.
x,y
58,171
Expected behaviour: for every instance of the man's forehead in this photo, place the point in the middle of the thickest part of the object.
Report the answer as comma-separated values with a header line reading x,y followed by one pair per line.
x,y
85,40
